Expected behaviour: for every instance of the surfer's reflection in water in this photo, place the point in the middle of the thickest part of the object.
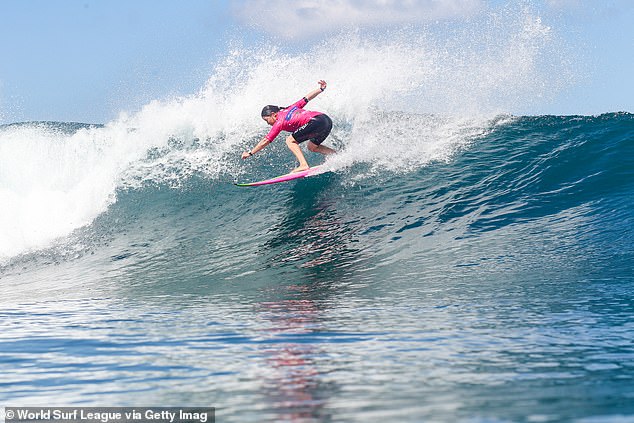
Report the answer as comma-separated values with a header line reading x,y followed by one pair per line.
x,y
304,125
293,380
297,344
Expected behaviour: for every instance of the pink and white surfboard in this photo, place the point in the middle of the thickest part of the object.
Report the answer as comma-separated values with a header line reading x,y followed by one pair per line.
x,y
315,170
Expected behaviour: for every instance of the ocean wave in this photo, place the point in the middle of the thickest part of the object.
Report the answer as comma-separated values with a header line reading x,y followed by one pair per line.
x,y
501,173
400,101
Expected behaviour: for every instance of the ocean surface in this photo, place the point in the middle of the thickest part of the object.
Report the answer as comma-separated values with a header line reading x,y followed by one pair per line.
x,y
457,263
492,283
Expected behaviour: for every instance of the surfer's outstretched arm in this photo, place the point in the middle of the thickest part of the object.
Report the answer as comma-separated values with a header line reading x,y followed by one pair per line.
x,y
315,93
257,148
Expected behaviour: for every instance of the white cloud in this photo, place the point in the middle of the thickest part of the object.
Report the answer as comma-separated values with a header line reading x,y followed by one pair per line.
x,y
301,18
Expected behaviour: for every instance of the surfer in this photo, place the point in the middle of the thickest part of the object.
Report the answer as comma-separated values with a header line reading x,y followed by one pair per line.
x,y
304,125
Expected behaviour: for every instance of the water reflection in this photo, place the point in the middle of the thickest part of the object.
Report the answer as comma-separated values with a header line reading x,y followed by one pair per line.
x,y
316,237
293,383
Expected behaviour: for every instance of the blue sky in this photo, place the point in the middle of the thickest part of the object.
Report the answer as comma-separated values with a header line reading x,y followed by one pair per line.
x,y
88,60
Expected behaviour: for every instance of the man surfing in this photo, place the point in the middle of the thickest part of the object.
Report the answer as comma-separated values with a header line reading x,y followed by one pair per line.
x,y
304,125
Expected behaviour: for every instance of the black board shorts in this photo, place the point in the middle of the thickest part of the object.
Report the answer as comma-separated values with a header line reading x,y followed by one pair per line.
x,y
316,130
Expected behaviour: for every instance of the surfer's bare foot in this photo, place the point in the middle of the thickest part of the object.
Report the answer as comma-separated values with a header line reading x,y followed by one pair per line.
x,y
300,168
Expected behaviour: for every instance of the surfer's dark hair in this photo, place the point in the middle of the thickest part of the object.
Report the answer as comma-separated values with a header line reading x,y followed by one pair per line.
x,y
270,109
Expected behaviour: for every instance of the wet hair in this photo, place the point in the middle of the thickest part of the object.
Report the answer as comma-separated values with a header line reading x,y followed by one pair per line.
x,y
270,109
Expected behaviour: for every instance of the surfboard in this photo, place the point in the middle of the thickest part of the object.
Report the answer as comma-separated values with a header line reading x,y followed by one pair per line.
x,y
315,170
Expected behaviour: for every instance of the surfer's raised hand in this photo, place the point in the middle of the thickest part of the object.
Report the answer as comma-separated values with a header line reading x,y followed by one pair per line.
x,y
315,93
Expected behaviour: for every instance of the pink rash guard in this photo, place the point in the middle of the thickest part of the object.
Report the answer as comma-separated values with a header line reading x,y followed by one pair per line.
x,y
291,119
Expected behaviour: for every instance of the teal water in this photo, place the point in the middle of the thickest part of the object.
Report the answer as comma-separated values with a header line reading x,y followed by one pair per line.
x,y
490,283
